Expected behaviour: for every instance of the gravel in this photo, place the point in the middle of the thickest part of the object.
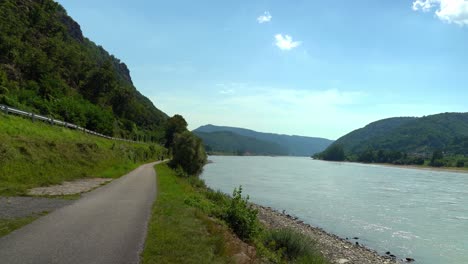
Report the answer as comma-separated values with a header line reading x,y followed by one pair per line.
x,y
334,248
71,187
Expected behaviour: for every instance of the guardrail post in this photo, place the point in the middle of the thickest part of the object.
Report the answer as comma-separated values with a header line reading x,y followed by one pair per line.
x,y
33,117
6,109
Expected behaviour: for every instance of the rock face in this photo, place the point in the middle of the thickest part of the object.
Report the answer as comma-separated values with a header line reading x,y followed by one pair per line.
x,y
73,28
124,71
334,248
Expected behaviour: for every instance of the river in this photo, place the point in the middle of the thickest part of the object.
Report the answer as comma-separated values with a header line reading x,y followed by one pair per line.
x,y
414,213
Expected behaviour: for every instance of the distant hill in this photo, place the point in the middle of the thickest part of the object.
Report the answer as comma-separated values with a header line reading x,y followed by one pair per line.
x,y
231,143
289,145
49,67
422,136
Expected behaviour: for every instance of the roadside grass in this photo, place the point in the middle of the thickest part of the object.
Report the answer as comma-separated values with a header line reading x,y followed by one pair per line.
x,y
9,225
35,154
191,223
179,232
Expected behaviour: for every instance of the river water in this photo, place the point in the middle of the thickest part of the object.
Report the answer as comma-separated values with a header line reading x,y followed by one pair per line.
x,y
413,213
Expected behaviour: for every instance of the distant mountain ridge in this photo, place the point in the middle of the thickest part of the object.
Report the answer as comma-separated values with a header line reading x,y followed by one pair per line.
x,y
447,132
227,142
289,145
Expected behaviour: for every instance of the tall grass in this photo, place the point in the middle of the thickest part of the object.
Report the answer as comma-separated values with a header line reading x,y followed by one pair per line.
x,y
293,246
185,227
179,232
38,154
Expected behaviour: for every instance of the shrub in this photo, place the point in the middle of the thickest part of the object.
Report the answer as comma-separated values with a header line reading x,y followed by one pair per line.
x,y
241,217
460,164
293,246
188,153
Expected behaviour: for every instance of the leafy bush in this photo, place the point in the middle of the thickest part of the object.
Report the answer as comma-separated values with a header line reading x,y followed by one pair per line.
x,y
293,246
242,217
217,197
188,153
460,164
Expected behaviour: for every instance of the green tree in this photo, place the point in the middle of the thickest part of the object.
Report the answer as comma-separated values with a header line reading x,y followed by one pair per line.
x,y
437,159
188,153
333,153
175,125
367,156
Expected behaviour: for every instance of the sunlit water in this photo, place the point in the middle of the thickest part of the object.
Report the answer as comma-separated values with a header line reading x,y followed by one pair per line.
x,y
412,213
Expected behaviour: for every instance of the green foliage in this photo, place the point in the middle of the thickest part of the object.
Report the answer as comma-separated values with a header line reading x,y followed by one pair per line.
x,y
186,225
9,225
188,153
174,125
437,159
242,217
178,232
48,67
385,156
333,153
38,154
294,246
409,141
421,136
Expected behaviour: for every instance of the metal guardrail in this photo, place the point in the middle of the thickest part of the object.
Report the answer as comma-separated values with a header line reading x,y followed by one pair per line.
x,y
10,110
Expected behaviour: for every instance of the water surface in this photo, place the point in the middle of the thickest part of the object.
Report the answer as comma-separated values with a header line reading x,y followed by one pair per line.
x,y
412,213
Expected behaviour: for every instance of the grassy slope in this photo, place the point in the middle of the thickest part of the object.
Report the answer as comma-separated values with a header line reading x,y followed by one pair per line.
x,y
184,228
178,232
37,154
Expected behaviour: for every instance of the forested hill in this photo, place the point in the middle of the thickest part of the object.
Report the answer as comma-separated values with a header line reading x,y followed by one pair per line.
x,y
48,66
447,132
290,145
225,142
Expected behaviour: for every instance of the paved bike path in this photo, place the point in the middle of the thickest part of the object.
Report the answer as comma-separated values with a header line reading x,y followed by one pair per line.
x,y
107,225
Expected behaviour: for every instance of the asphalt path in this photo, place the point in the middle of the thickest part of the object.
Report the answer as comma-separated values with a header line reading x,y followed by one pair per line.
x,y
107,225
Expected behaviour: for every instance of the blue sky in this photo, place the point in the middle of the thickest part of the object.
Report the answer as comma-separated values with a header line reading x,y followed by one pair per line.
x,y
313,68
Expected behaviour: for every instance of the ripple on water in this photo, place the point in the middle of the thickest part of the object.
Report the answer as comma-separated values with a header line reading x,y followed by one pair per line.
x,y
464,218
405,235
376,227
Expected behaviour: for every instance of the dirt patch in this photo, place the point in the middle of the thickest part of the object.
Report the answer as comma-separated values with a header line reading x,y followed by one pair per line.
x,y
69,188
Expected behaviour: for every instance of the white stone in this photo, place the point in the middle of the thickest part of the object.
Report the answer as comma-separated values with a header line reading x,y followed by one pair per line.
x,y
342,261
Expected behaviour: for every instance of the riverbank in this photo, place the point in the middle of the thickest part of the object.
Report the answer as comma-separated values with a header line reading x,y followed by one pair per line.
x,y
416,167
424,167
335,249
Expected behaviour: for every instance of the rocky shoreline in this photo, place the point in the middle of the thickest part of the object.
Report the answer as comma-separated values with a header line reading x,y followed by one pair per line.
x,y
335,249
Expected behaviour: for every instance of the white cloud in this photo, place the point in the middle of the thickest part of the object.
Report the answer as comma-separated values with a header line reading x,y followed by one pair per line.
x,y
424,5
265,18
450,11
285,42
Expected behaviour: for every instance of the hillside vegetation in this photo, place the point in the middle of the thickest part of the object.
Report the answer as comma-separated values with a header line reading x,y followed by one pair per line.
x,y
226,142
408,140
191,223
38,154
47,66
289,145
